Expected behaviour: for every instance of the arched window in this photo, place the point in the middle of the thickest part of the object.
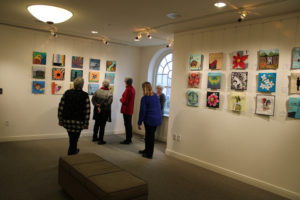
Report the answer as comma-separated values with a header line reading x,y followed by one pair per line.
x,y
163,77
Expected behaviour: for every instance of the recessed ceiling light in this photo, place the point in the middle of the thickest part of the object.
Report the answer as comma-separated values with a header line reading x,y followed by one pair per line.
x,y
94,32
49,14
173,15
220,4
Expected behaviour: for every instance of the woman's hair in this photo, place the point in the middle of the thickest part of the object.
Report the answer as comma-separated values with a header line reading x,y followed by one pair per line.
x,y
160,87
128,81
78,83
147,89
105,83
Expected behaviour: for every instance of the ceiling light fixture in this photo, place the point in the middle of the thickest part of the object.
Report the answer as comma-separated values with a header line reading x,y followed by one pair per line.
x,y
243,15
49,14
220,4
94,32
170,44
138,37
149,36
173,15
105,42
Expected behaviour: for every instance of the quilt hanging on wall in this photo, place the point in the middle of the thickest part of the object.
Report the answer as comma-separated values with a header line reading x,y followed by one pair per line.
x,y
57,88
266,82
296,58
214,80
75,74
295,83
77,62
94,64
237,101
111,66
192,98
39,58
38,72
110,77
59,60
38,87
294,107
93,88
239,80
58,74
94,76
268,59
195,62
213,99
194,80
215,60
265,104
240,60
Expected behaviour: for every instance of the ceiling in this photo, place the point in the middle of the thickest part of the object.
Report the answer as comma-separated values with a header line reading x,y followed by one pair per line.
x,y
118,20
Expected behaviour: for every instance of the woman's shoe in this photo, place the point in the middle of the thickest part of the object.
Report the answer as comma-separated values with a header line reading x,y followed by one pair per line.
x,y
101,142
142,151
146,156
95,139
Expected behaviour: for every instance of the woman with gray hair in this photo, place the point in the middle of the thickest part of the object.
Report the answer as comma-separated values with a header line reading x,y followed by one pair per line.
x,y
162,97
74,113
102,101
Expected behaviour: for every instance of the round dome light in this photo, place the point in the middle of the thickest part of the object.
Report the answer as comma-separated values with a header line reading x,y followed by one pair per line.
x,y
49,14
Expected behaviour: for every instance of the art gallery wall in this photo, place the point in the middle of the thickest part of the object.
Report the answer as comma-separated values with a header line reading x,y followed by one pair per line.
x,y
26,115
260,150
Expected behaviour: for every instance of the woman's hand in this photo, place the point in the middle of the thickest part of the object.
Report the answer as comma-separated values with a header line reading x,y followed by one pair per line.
x,y
98,108
139,127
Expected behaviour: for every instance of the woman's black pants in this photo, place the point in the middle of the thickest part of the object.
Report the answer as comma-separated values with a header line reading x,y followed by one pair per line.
x,y
149,140
73,139
99,124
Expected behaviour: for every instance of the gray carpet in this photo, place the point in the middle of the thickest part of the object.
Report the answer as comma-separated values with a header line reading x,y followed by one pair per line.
x,y
28,170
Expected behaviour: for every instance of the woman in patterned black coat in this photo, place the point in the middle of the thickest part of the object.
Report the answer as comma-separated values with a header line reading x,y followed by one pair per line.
x,y
74,113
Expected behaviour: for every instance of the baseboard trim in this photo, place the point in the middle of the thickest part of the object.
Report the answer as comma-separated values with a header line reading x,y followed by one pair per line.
x,y
52,136
243,178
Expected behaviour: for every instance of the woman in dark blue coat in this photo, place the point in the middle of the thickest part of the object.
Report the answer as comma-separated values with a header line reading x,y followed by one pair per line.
x,y
150,115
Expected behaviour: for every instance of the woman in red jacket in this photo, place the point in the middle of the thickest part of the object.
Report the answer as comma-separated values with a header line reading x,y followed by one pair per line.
x,y
127,101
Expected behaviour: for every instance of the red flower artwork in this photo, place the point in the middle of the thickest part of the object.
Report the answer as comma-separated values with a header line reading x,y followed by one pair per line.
x,y
238,61
194,80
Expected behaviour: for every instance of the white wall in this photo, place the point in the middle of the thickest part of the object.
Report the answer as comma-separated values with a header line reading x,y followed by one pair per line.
x,y
263,151
35,116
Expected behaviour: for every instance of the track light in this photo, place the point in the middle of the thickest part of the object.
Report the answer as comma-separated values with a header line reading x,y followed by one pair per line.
x,y
149,36
138,37
105,42
53,33
170,44
243,16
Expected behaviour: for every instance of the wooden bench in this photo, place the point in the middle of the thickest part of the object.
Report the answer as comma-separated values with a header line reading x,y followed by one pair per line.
x,y
89,177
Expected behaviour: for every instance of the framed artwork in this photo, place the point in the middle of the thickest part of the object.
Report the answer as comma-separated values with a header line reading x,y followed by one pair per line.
x,y
75,74
214,80
240,60
93,88
295,83
266,82
94,77
193,98
268,59
38,72
77,62
239,80
237,101
195,62
215,60
39,58
94,64
112,89
59,60
57,88
265,104
111,66
296,58
294,107
213,99
110,77
194,80
58,74
38,87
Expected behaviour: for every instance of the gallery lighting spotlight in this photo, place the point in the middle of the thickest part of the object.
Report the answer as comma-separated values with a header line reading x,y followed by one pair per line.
x,y
53,33
105,42
243,16
170,44
149,36
49,14
220,4
138,37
